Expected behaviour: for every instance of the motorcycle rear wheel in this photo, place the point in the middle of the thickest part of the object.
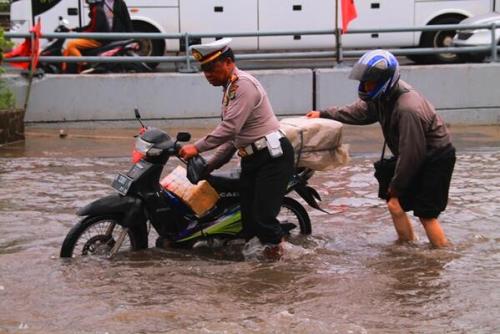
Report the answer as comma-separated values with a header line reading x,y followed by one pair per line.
x,y
293,212
96,235
138,67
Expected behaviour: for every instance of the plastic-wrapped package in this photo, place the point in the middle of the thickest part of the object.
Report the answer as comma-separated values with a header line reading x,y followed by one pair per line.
x,y
317,142
200,197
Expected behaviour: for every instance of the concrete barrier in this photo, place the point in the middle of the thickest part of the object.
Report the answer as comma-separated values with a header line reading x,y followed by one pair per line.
x,y
462,93
11,125
161,96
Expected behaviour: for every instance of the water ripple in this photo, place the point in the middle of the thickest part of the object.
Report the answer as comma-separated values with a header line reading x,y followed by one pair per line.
x,y
348,277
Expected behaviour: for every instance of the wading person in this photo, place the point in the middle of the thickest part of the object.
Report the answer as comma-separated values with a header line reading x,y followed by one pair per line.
x,y
248,126
416,135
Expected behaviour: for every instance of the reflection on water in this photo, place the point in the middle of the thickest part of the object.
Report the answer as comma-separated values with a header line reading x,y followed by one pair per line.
x,y
348,277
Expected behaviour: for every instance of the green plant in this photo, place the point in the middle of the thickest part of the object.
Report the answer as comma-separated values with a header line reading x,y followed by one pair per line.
x,y
7,99
4,6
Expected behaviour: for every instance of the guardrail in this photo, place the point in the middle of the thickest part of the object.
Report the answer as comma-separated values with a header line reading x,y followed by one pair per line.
x,y
337,54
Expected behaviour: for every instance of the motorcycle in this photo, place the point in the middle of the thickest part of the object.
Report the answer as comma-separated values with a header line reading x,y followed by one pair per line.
x,y
124,48
124,220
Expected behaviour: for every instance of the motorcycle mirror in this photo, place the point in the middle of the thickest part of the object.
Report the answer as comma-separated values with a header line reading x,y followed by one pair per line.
x,y
183,136
62,20
138,116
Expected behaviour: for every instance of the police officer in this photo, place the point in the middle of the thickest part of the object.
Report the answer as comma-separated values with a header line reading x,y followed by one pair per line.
x,y
250,128
415,134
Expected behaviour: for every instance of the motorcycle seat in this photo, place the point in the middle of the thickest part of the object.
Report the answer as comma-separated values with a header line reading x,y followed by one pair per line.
x,y
106,47
224,181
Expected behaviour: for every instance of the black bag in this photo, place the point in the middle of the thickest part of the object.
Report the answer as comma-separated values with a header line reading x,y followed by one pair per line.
x,y
196,168
384,171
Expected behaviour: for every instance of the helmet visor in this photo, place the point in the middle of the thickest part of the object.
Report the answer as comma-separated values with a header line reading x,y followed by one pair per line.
x,y
364,72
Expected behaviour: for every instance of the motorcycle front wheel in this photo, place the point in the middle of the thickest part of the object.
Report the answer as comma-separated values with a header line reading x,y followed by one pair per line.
x,y
96,236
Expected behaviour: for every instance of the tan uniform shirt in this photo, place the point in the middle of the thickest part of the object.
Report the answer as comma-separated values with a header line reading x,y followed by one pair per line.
x,y
247,115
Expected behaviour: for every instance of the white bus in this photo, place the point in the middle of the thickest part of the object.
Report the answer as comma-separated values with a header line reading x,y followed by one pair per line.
x,y
219,16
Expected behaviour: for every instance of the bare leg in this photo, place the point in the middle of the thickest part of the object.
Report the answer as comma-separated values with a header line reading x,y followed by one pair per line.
x,y
434,232
401,221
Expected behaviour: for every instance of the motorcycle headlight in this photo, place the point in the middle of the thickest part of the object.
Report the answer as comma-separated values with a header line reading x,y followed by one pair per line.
x,y
142,146
145,148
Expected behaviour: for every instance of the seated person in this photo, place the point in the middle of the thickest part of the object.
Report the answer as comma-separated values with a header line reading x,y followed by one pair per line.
x,y
105,16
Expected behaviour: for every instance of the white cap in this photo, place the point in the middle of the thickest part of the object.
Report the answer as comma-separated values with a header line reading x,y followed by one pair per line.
x,y
205,53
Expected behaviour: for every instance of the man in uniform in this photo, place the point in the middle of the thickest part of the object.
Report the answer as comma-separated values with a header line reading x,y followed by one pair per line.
x,y
249,127
415,134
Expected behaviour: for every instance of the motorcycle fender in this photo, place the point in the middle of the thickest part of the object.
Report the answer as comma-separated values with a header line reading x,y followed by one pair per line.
x,y
130,207
310,195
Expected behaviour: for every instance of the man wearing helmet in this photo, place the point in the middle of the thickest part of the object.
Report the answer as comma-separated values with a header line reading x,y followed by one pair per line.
x,y
415,134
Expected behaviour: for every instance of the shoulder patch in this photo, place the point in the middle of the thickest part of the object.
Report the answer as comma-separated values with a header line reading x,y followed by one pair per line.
x,y
231,93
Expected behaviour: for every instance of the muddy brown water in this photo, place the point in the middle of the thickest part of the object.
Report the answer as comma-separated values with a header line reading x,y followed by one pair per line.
x,y
348,277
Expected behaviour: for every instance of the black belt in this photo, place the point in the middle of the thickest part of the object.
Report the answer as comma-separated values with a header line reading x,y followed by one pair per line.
x,y
257,145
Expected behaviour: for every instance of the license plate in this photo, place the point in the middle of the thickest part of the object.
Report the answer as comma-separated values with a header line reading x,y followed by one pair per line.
x,y
122,183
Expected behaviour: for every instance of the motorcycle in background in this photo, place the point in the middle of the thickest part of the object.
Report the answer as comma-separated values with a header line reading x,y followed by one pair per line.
x,y
55,47
120,221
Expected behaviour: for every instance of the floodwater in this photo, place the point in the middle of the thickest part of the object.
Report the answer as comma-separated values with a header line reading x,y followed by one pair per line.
x,y
348,277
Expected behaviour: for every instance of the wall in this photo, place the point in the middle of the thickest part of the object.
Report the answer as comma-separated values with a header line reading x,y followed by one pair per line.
x,y
158,96
462,94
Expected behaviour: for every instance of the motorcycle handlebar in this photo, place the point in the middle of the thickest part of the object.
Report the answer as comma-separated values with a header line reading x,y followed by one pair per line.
x,y
177,147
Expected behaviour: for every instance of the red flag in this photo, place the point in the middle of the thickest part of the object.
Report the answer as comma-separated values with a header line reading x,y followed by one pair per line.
x,y
349,13
35,50
22,50
26,49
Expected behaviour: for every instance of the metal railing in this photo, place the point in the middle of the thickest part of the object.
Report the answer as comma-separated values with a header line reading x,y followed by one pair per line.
x,y
338,55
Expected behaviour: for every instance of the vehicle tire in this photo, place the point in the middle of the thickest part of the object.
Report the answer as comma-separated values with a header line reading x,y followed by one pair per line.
x,y
471,57
293,212
88,237
441,38
150,47
476,57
